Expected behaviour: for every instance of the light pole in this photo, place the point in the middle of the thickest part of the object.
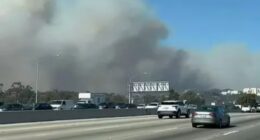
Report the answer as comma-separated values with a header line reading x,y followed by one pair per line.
x,y
37,78
129,91
36,82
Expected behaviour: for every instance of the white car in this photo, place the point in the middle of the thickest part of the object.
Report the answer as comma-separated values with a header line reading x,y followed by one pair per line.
x,y
153,105
140,106
246,109
258,108
173,108
62,104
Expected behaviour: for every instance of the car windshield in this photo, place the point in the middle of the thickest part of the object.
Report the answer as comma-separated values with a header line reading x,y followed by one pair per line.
x,y
171,103
207,108
56,102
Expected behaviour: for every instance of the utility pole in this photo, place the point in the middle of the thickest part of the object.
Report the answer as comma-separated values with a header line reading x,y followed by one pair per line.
x,y
129,92
36,83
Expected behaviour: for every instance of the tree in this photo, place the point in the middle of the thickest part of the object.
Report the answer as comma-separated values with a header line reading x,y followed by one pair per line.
x,y
247,100
192,98
174,95
19,93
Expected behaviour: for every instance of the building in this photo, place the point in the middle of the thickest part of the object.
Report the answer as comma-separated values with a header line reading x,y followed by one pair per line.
x,y
252,91
95,98
229,92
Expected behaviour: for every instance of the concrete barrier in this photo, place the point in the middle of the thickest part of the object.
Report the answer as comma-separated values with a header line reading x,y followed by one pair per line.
x,y
38,116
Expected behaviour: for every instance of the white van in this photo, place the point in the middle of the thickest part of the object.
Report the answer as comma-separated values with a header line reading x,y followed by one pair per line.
x,y
62,104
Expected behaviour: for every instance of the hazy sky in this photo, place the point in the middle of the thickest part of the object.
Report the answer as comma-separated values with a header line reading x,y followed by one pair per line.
x,y
202,24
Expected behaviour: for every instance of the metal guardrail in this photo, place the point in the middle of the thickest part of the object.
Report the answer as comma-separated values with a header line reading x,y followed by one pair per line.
x,y
39,116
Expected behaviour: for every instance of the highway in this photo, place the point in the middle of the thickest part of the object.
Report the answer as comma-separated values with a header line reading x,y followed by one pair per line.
x,y
244,126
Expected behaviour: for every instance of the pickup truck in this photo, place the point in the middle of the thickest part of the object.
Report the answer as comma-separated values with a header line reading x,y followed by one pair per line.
x,y
174,108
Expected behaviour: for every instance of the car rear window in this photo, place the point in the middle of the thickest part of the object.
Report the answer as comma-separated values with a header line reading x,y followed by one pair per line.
x,y
207,108
56,102
171,103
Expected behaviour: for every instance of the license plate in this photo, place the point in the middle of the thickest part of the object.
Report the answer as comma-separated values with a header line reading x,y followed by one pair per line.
x,y
202,116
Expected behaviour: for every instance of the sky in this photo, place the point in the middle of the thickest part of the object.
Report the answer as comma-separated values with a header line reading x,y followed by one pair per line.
x,y
204,24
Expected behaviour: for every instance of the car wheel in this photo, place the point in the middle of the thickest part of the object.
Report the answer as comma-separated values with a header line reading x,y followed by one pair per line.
x,y
178,114
220,124
228,123
171,116
194,125
188,114
160,116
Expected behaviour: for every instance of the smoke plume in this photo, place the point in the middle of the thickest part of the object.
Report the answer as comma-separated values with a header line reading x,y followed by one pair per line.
x,y
100,45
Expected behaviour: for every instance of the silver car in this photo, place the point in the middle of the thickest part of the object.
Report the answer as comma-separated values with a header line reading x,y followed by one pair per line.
x,y
210,115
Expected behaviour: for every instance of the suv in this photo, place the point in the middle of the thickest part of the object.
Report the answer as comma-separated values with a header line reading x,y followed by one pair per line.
x,y
173,108
11,107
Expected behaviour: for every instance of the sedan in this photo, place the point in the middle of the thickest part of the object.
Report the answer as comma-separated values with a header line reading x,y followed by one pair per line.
x,y
85,106
153,105
43,106
210,115
11,107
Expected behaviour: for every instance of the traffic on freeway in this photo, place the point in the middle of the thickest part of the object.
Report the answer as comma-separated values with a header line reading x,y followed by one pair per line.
x,y
129,70
243,126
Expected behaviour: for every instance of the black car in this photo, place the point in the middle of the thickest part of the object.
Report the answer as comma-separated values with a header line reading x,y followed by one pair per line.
x,y
11,107
43,106
121,106
132,106
107,106
1,104
85,106
125,106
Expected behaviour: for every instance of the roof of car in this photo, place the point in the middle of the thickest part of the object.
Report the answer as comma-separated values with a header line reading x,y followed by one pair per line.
x,y
172,101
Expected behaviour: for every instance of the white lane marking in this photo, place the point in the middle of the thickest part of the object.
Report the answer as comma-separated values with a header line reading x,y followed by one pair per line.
x,y
164,130
231,132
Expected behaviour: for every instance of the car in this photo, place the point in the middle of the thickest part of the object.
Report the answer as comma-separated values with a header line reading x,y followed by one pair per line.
x,y
43,106
153,105
131,106
246,109
85,106
173,108
210,115
258,108
62,104
1,104
11,107
107,106
125,106
121,106
140,106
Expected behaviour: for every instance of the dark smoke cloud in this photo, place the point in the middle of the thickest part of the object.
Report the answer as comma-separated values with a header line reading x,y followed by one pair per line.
x,y
92,45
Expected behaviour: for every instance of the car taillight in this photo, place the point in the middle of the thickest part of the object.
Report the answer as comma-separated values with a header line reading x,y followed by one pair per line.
x,y
194,114
212,114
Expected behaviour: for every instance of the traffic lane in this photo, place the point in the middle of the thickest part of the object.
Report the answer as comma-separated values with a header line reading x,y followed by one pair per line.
x,y
88,128
121,128
241,124
65,125
24,126
251,133
62,126
182,132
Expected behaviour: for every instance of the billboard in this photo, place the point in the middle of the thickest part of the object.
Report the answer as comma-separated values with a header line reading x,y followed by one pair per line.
x,y
84,95
153,86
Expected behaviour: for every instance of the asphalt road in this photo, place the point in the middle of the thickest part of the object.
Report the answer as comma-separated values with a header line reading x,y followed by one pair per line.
x,y
244,127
